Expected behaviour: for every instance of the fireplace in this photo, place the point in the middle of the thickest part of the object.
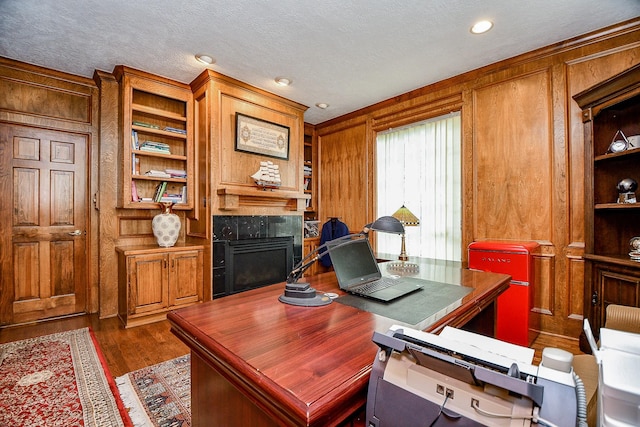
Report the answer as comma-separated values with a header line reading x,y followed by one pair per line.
x,y
253,251
257,262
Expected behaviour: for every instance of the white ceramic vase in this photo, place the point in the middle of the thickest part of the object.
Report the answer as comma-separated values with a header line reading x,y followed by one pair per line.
x,y
166,227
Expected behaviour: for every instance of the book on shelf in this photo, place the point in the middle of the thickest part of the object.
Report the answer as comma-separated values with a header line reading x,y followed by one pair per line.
x,y
134,192
173,198
155,147
160,188
157,173
176,173
307,182
145,124
173,194
134,139
175,130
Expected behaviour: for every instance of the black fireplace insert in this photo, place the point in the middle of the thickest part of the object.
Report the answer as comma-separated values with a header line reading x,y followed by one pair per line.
x,y
253,263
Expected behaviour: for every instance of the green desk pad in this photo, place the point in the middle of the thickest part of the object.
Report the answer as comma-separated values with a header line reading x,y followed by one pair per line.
x,y
412,308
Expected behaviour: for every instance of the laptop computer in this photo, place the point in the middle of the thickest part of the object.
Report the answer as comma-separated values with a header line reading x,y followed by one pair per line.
x,y
358,273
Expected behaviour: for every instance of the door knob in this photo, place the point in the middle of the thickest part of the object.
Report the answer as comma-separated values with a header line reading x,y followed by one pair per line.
x,y
75,233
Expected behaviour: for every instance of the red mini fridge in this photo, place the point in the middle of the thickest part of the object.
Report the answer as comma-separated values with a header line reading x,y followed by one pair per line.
x,y
516,322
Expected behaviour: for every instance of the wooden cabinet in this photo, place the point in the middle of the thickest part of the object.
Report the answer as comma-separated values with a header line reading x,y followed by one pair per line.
x,y
614,284
611,276
157,139
310,245
154,280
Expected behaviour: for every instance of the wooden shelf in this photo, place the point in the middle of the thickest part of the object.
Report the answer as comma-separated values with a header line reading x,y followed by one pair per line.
x,y
158,112
155,178
162,132
161,104
159,155
614,156
617,206
233,197
619,259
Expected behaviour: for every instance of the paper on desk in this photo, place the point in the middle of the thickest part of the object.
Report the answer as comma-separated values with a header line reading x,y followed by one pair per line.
x,y
490,345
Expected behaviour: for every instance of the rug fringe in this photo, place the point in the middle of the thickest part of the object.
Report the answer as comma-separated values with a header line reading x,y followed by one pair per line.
x,y
129,397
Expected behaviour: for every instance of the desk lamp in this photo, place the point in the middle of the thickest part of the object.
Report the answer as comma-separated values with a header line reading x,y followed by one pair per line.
x,y
302,293
407,218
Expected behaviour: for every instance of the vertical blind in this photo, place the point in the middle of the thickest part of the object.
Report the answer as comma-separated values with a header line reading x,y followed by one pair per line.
x,y
419,166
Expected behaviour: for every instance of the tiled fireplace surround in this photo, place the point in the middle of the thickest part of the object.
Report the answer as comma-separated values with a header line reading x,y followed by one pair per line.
x,y
232,230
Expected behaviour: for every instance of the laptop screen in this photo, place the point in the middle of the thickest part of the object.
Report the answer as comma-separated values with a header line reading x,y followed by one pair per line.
x,y
354,262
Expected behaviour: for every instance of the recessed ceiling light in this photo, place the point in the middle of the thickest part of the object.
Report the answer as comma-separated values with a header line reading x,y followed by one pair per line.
x,y
481,27
322,105
205,59
283,81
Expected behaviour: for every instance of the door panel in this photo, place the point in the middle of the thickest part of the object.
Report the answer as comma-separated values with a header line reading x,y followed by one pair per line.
x,y
148,283
43,223
185,280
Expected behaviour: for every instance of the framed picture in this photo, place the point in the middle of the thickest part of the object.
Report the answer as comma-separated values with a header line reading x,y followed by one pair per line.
x,y
261,137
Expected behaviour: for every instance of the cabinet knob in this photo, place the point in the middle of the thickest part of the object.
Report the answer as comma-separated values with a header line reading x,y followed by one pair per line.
x,y
75,233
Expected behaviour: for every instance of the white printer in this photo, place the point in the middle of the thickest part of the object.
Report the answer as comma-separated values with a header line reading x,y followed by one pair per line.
x,y
459,378
619,376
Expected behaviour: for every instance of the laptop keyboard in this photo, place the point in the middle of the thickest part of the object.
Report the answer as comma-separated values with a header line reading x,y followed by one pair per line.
x,y
375,285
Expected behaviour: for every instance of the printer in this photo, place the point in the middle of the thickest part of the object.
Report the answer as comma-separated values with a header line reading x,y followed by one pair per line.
x,y
618,359
460,378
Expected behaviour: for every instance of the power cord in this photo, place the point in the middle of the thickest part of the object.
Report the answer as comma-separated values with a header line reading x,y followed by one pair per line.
x,y
445,412
534,418
581,396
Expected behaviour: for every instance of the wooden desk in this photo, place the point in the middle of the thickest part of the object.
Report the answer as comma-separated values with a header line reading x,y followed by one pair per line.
x,y
258,362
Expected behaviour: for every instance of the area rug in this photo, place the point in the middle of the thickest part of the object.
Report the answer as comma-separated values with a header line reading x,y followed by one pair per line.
x,y
58,380
159,395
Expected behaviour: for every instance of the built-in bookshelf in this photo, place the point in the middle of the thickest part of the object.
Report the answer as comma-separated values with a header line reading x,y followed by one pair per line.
x,y
611,116
157,141
310,173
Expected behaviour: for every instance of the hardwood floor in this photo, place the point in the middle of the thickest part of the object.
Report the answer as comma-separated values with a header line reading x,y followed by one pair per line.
x,y
548,340
126,350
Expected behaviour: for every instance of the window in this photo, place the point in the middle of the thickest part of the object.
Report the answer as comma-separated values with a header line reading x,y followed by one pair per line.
x,y
419,166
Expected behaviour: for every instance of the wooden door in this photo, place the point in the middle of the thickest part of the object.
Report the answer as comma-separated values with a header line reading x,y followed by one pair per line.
x,y
185,277
43,179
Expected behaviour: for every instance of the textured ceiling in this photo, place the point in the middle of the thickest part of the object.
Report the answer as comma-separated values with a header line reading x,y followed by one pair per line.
x,y
349,54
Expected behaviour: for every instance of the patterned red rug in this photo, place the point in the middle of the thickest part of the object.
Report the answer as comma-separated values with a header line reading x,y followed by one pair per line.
x,y
159,395
58,380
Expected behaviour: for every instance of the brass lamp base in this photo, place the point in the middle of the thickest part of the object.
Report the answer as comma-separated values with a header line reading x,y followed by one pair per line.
x,y
403,251
403,266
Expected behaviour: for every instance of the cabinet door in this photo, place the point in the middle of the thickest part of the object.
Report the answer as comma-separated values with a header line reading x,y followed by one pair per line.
x,y
310,245
185,277
616,287
148,283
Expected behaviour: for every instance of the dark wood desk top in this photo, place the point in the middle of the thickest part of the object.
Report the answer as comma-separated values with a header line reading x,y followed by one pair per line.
x,y
308,365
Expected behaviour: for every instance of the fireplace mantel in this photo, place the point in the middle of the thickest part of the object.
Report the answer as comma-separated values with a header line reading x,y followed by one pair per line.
x,y
231,198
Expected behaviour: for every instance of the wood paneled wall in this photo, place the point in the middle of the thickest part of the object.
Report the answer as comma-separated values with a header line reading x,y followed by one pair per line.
x,y
224,184
522,155
523,158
